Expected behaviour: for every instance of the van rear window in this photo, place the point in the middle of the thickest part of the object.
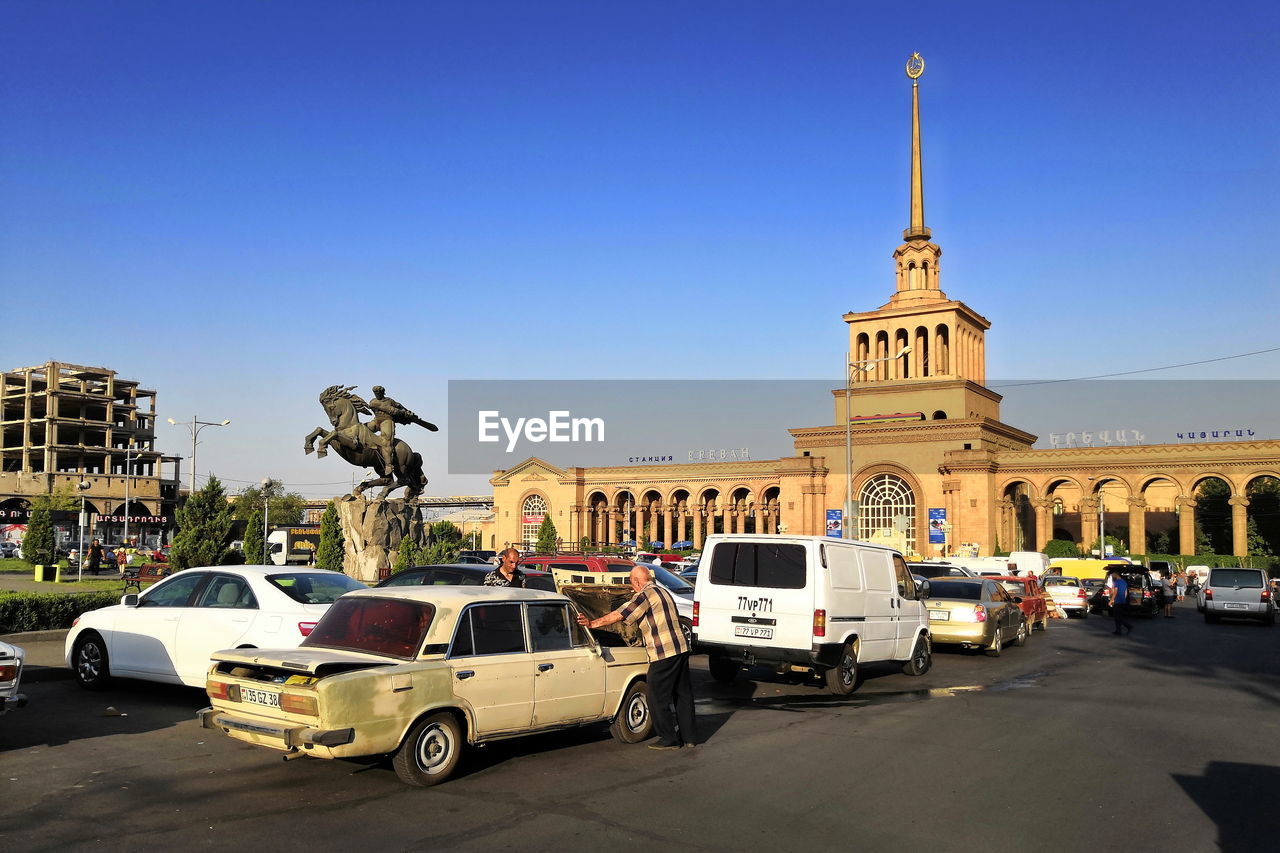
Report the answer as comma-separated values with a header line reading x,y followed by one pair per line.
x,y
1243,578
763,564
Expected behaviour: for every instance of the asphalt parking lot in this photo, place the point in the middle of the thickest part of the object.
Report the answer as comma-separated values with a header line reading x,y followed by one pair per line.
x,y
1080,740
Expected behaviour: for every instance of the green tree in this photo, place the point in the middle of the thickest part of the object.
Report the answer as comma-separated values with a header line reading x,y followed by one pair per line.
x,y
444,541
64,498
1158,543
1213,517
331,552
1061,548
408,555
285,508
547,539
38,542
585,542
1258,547
1118,548
253,540
203,522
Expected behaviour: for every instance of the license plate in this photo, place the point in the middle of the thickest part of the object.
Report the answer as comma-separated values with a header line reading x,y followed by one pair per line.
x,y
1237,607
753,631
260,697
940,615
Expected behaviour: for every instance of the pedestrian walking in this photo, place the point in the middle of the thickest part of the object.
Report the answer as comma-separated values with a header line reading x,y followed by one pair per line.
x,y
1169,589
668,683
508,572
95,557
122,559
1181,584
1119,590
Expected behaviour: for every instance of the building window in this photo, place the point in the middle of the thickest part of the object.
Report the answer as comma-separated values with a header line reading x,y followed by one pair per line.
x,y
531,515
888,504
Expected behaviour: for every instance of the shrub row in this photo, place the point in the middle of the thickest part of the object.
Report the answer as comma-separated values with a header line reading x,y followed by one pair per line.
x,y
1229,561
48,611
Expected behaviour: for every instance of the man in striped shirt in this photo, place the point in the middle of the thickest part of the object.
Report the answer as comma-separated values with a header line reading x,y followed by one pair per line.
x,y
668,681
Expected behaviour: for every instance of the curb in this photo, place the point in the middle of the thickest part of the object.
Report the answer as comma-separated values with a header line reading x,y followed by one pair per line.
x,y
35,636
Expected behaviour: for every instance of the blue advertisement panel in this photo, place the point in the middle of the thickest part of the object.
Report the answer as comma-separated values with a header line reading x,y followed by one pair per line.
x,y
835,523
937,526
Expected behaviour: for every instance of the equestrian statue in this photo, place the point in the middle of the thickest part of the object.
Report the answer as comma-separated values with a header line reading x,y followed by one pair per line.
x,y
371,444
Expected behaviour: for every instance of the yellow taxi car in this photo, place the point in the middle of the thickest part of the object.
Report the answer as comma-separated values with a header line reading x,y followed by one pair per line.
x,y
418,673
976,613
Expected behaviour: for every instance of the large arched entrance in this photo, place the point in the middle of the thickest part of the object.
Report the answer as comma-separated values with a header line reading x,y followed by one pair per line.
x,y
888,512
532,511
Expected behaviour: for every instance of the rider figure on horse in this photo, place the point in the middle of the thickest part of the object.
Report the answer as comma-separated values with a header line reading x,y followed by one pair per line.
x,y
386,414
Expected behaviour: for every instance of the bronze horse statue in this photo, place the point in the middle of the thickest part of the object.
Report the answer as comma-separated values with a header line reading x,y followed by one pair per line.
x,y
355,442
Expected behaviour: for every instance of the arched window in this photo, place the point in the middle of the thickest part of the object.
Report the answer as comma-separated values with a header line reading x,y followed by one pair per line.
x,y
888,504
532,512
939,415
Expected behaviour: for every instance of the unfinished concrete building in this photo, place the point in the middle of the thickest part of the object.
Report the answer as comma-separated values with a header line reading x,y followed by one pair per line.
x,y
63,424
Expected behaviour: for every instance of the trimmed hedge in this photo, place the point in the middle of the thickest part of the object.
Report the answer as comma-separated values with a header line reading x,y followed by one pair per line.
x,y
1229,561
48,611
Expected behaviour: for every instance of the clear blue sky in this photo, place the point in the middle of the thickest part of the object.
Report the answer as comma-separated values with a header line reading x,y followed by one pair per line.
x,y
219,198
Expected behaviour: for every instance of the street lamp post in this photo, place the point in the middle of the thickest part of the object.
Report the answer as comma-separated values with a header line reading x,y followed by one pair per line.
x,y
128,479
82,486
267,483
850,367
195,425
1102,521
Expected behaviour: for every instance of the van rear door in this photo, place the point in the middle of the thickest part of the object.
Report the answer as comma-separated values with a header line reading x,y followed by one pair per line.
x,y
757,594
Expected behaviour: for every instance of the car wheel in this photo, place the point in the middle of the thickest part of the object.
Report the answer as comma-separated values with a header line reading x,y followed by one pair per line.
x,y
996,647
722,668
842,679
686,628
921,657
430,753
633,722
1084,614
1044,623
92,666
1020,638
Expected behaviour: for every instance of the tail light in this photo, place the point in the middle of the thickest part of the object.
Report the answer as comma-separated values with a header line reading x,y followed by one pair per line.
x,y
1266,595
819,623
305,628
8,672
75,621
979,613
1208,594
1146,593
218,689
695,614
1082,594
299,704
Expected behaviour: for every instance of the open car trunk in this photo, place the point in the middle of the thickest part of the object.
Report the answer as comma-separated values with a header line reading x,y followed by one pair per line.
x,y
293,666
595,600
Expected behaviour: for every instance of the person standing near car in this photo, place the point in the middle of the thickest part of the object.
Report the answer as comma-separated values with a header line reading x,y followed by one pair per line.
x,y
668,682
1181,584
95,557
1119,590
508,572
1169,590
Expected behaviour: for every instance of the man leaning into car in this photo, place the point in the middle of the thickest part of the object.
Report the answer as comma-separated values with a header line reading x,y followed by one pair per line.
x,y
668,682
507,573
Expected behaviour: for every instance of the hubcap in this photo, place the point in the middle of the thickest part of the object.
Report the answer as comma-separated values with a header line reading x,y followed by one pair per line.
x,y
846,670
637,712
923,654
90,662
434,748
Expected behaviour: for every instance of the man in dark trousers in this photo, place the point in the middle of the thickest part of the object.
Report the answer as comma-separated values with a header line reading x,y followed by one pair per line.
x,y
668,682
1119,589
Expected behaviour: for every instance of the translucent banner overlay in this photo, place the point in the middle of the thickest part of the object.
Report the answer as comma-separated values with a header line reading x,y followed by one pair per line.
x,y
495,424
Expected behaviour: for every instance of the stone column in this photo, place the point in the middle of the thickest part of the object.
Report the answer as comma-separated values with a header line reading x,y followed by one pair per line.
x,y
1137,525
720,510
1239,525
1004,508
698,512
1186,524
1089,522
611,526
653,522
683,524
669,518
1044,525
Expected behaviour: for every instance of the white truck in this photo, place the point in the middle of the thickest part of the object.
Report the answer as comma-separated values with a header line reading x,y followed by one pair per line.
x,y
294,545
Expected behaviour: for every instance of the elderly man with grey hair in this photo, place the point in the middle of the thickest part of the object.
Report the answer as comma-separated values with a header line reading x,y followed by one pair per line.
x,y
668,681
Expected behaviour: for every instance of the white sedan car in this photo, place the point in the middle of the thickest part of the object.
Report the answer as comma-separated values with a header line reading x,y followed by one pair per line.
x,y
10,677
169,632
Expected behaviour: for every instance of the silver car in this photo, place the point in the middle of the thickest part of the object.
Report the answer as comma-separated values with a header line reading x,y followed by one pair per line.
x,y
1239,593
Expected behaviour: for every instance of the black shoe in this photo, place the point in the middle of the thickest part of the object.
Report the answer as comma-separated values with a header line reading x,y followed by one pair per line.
x,y
661,745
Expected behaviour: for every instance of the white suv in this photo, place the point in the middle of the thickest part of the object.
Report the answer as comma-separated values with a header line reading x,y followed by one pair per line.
x,y
1239,593
808,602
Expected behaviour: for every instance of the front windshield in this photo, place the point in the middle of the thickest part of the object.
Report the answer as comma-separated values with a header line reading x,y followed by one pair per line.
x,y
673,582
1013,587
381,626
314,587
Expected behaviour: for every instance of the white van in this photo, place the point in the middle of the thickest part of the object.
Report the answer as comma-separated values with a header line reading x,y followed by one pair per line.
x,y
809,602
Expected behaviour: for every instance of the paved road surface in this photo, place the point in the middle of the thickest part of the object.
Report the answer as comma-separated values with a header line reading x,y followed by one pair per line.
x,y
1080,741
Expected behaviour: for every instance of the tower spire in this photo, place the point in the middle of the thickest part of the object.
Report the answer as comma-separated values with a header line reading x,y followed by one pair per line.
x,y
917,231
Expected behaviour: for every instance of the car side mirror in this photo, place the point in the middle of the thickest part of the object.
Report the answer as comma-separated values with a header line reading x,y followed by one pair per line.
x,y
1016,599
922,591
130,600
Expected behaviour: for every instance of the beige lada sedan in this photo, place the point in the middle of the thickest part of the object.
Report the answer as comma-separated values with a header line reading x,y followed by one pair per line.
x,y
418,673
976,613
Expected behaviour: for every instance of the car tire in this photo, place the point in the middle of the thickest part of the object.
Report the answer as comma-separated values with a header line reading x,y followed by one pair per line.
x,y
90,662
1020,638
1044,623
921,657
431,751
1084,614
842,679
633,722
723,669
996,647
686,628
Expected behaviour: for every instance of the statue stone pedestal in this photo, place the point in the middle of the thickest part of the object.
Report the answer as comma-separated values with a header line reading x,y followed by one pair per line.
x,y
373,530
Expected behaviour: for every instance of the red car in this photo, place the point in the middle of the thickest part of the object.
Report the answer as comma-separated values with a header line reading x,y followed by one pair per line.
x,y
1033,601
